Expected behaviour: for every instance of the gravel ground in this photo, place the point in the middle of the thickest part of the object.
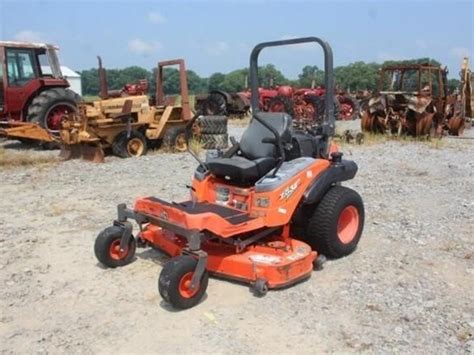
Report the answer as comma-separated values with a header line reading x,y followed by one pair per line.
x,y
407,288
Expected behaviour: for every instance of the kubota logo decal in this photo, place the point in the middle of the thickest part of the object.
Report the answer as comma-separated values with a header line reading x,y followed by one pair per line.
x,y
286,194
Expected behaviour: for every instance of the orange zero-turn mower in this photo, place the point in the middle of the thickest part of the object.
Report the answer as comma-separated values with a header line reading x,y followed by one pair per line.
x,y
263,213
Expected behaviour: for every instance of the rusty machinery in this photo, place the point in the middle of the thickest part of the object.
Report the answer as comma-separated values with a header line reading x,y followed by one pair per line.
x,y
413,99
127,123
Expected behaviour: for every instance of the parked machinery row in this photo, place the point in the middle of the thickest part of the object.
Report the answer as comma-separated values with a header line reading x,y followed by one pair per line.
x,y
414,100
37,105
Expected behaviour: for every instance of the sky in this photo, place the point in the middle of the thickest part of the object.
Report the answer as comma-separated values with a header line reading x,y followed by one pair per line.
x,y
217,36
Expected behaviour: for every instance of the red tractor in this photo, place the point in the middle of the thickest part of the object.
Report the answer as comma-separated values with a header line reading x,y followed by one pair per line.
x,y
308,104
32,88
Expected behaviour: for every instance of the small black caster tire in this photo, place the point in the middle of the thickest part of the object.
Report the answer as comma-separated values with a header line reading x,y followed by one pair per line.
x,y
318,263
107,248
260,287
175,281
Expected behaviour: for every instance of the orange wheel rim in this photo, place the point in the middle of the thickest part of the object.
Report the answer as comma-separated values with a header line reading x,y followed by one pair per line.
x,y
184,286
114,250
135,147
180,143
348,224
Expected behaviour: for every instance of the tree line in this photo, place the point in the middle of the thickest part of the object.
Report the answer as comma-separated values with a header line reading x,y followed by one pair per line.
x,y
352,77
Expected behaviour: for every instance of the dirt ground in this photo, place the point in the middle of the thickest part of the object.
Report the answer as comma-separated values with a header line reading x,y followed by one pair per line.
x,y
408,287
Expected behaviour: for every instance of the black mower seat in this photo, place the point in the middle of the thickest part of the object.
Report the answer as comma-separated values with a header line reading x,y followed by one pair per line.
x,y
255,158
241,169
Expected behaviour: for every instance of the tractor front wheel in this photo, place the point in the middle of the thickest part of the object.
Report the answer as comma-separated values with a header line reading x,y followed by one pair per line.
x,y
175,139
107,248
174,283
127,146
336,225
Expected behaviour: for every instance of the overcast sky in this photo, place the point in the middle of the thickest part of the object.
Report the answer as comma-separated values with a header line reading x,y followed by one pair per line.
x,y
218,35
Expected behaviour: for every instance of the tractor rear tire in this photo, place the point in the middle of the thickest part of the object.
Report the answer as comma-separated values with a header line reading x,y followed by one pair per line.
x,y
215,105
175,139
107,248
214,141
335,227
281,104
128,147
337,108
174,282
213,124
352,101
318,106
47,108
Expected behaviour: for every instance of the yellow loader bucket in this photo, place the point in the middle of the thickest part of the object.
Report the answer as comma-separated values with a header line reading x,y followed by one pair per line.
x,y
89,152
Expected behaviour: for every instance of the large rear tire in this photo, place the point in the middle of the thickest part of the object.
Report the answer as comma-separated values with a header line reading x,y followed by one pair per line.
x,y
215,105
336,225
349,108
214,141
281,104
48,108
213,124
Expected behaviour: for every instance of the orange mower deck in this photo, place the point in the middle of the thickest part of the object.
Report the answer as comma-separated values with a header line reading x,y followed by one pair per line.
x,y
275,261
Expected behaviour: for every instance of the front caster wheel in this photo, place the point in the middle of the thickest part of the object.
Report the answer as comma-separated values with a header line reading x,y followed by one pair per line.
x,y
107,248
318,263
260,287
174,283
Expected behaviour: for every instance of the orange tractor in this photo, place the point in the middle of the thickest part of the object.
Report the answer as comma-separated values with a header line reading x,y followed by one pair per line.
x,y
263,213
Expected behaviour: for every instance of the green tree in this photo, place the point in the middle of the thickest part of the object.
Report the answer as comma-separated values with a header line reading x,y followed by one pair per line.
x,y
215,81
269,75
357,76
234,81
453,84
308,74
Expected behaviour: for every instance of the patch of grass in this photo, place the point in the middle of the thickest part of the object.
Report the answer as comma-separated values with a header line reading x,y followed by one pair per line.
x,y
90,98
14,159
196,146
239,122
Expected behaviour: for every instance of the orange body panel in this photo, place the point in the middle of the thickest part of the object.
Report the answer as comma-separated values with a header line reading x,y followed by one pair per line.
x,y
277,258
278,262
280,206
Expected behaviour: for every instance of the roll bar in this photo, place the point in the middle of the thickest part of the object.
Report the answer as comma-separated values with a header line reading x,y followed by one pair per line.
x,y
329,119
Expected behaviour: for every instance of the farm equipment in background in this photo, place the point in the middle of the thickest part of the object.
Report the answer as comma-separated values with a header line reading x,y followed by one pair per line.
x,y
413,99
33,92
129,89
219,102
304,103
127,124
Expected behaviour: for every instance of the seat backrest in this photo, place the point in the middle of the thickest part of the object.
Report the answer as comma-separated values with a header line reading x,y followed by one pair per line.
x,y
251,144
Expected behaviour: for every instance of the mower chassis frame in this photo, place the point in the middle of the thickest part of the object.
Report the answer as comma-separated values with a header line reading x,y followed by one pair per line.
x,y
194,239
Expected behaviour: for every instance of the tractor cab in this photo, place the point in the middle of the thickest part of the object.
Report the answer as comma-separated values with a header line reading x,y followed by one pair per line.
x,y
26,68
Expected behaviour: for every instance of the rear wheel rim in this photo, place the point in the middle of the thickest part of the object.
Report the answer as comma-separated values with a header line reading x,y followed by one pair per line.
x,y
114,251
135,147
180,143
348,224
277,107
55,115
346,111
184,286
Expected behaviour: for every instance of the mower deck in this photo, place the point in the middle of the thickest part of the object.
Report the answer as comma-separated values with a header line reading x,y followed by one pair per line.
x,y
281,263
